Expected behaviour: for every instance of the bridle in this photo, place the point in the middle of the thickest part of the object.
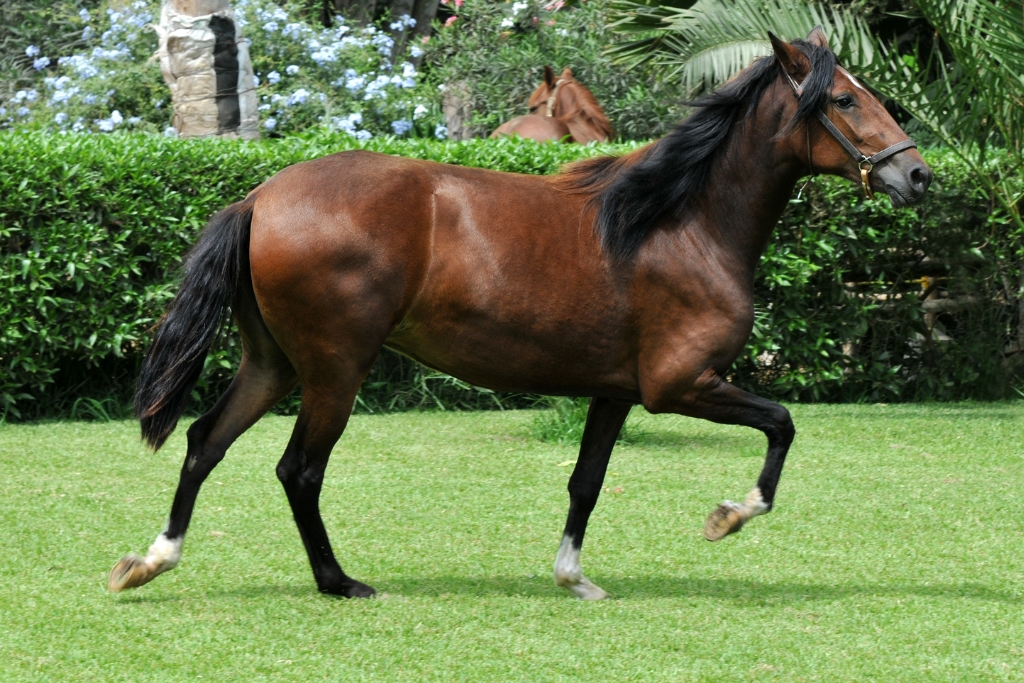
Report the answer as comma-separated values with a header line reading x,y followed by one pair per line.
x,y
554,96
864,162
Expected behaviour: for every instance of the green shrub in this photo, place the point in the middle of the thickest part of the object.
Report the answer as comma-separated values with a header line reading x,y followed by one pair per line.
x,y
92,229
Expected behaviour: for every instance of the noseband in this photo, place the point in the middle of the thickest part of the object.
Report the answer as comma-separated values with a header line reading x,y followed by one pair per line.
x,y
864,162
554,96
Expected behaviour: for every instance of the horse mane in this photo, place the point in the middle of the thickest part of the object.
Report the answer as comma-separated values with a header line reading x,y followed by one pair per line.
x,y
587,104
634,191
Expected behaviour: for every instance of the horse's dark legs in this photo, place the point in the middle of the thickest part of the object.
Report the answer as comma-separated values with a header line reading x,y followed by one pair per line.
x,y
604,421
257,386
322,419
714,399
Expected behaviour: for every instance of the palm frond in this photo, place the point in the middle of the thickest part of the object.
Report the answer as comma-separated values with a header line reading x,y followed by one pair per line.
x,y
706,44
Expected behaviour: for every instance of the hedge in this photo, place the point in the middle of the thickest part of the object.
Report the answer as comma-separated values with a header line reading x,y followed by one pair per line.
x,y
92,229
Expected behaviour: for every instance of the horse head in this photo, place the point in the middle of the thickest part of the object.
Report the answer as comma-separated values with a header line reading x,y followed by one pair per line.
x,y
570,101
845,130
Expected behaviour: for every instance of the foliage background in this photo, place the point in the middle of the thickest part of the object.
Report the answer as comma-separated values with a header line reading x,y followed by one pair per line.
x,y
499,54
92,229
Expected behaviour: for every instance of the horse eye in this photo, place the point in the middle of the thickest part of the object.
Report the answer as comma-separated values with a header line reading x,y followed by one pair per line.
x,y
844,102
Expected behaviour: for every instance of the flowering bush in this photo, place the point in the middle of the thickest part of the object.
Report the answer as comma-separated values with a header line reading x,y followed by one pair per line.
x,y
342,78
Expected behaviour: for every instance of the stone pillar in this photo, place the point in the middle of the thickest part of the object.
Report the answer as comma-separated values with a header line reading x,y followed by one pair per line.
x,y
457,108
205,62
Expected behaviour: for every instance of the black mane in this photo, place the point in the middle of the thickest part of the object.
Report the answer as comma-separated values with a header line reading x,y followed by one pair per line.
x,y
674,170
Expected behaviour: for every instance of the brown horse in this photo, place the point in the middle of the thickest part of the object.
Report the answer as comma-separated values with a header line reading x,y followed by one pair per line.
x,y
562,109
626,279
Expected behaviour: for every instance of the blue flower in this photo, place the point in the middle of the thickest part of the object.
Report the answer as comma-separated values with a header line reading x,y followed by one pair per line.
x,y
41,63
404,21
270,124
291,70
84,15
401,127
60,118
87,33
298,97
169,132
273,78
441,132
31,51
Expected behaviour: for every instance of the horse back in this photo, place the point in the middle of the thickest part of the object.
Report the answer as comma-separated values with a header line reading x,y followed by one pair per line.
x,y
535,127
457,267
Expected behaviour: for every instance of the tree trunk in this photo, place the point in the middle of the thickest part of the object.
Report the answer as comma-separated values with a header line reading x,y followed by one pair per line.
x,y
357,11
457,109
206,65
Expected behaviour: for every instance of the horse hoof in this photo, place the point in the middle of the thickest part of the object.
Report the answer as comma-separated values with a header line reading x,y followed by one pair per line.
x,y
350,589
582,587
356,589
130,572
585,590
728,518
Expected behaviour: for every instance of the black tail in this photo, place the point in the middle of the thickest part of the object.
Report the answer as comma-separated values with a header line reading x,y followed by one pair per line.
x,y
212,270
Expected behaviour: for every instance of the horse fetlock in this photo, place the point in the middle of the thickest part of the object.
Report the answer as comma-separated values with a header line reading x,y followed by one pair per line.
x,y
729,517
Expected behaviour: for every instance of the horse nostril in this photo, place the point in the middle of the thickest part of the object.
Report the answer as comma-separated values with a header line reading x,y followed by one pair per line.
x,y
920,178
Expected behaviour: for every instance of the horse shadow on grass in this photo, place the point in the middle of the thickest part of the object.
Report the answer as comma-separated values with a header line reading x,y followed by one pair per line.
x,y
639,588
659,587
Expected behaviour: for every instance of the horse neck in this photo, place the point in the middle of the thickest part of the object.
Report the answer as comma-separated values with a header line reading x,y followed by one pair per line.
x,y
585,108
749,188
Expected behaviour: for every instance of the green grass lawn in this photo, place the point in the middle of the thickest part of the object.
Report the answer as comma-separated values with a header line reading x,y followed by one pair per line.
x,y
895,553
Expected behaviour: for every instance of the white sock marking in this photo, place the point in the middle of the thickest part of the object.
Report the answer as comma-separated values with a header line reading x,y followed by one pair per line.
x,y
164,554
569,573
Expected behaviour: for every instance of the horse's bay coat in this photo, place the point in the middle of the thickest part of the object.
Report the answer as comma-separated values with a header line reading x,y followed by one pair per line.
x,y
628,280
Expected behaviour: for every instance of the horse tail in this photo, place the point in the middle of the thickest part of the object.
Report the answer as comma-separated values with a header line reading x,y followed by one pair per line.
x,y
213,270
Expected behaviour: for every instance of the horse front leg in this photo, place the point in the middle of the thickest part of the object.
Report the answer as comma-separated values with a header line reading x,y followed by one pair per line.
x,y
712,398
604,421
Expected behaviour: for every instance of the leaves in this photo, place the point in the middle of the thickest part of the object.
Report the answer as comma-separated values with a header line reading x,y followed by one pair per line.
x,y
702,45
92,229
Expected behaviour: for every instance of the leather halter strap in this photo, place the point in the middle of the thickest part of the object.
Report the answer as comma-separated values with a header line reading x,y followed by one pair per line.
x,y
864,162
554,96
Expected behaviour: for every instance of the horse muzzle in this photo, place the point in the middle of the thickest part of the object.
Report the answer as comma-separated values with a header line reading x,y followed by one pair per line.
x,y
905,178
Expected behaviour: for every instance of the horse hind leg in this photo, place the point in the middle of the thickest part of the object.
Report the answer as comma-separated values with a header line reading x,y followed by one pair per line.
x,y
264,377
604,421
326,407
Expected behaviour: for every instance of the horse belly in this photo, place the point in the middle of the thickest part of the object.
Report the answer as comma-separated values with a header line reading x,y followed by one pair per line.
x,y
502,358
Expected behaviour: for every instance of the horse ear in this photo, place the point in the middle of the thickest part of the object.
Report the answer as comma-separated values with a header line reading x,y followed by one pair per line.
x,y
567,73
549,76
792,59
817,37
